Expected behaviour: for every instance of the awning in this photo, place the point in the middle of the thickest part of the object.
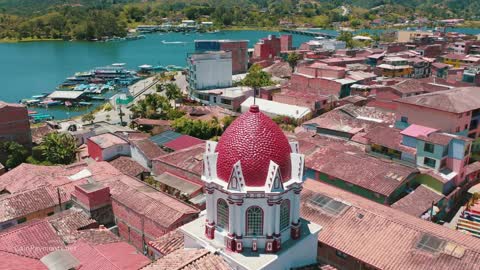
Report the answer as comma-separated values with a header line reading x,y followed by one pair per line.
x,y
178,183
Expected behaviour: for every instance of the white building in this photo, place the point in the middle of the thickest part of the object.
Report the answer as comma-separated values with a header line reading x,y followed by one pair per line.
x,y
209,70
253,178
274,109
229,98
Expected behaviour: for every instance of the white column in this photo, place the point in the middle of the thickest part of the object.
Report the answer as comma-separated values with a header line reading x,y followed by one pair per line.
x,y
269,220
277,218
231,218
210,207
239,219
296,208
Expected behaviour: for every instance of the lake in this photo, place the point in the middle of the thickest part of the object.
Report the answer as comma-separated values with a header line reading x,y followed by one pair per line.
x,y
31,68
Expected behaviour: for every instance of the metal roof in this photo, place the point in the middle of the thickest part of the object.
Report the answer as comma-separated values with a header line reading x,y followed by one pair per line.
x,y
165,137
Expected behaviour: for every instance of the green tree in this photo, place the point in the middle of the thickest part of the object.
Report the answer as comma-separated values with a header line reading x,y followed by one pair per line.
x,y
59,148
257,78
347,37
89,117
292,59
14,153
173,93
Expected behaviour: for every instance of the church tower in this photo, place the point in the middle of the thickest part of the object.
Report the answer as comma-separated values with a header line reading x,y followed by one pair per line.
x,y
253,178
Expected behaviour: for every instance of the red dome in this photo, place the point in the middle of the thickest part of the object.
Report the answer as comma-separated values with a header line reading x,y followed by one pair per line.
x,y
254,139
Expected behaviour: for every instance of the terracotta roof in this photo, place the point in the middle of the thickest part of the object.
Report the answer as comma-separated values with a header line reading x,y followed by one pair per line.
x,y
352,119
416,86
189,160
151,122
149,148
389,137
154,205
190,259
456,100
98,236
384,237
107,140
33,240
360,169
40,131
110,256
471,168
418,201
437,138
128,166
69,222
183,142
21,204
169,242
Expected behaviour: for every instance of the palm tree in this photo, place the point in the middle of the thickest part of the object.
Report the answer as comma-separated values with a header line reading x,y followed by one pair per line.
x,y
59,148
173,92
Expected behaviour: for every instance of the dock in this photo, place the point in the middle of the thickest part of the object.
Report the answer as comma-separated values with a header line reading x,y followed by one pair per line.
x,y
305,32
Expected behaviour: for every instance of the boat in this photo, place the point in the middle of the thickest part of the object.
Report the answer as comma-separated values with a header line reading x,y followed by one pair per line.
x,y
41,118
174,68
32,112
97,98
39,96
50,102
30,102
84,103
68,104
173,42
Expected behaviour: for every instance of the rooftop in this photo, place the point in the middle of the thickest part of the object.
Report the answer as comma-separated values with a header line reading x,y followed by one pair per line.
x,y
390,138
168,242
65,94
128,166
190,259
277,108
417,202
189,160
360,169
456,100
149,148
178,182
107,140
416,86
389,239
182,142
417,130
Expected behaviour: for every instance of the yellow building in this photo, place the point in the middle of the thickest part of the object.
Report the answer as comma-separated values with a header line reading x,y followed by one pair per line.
x,y
457,60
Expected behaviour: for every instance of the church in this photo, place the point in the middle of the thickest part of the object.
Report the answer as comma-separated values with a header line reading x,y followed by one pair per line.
x,y
253,178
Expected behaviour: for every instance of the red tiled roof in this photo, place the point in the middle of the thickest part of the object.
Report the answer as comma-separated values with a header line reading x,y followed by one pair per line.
x,y
128,166
33,240
98,236
384,237
456,100
189,160
11,261
390,138
39,132
69,222
169,242
190,259
418,201
21,204
111,256
416,86
471,168
151,122
183,142
154,205
107,140
149,148
360,169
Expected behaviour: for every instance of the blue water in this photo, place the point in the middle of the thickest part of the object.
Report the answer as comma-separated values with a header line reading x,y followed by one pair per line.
x,y
31,68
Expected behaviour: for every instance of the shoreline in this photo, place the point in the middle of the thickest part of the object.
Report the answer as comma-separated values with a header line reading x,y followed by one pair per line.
x,y
8,40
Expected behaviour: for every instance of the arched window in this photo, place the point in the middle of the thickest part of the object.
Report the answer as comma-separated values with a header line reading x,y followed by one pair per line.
x,y
254,221
284,214
222,214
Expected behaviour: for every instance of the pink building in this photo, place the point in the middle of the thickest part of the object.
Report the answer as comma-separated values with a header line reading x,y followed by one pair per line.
x,y
286,43
267,48
107,147
453,111
14,124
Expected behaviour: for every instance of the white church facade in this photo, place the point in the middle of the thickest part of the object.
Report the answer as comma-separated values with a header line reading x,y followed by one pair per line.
x,y
253,179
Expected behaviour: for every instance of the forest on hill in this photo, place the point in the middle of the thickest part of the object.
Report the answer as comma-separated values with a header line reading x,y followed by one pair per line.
x,y
93,19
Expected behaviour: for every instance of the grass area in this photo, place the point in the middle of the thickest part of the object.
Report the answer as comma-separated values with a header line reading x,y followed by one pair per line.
x,y
30,39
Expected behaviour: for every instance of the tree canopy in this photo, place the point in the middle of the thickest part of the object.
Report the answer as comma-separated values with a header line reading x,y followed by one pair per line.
x,y
58,148
256,77
13,154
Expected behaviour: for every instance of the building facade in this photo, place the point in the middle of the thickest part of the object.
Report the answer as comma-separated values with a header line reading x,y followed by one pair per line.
x,y
238,48
14,124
